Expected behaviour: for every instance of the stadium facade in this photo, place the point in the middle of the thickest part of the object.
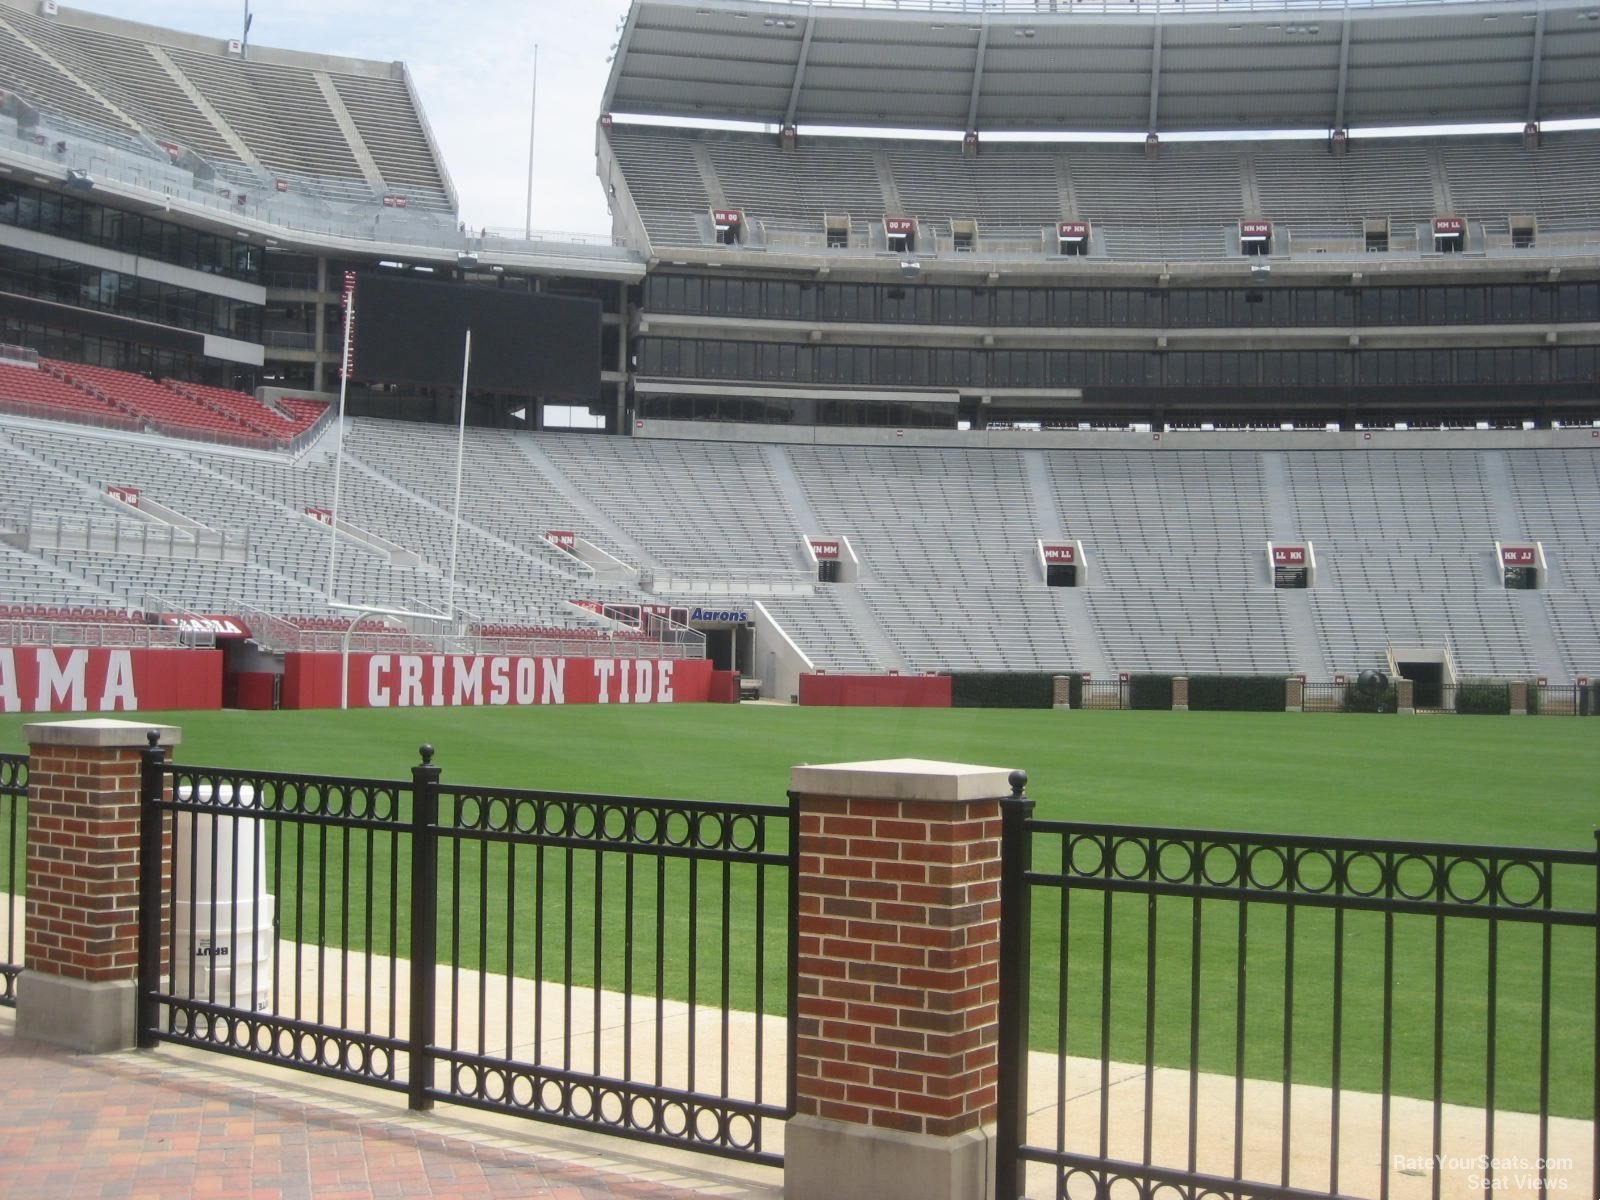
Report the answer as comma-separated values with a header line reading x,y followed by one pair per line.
x,y
1179,352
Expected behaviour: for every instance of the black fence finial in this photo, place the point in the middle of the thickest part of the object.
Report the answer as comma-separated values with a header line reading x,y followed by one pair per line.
x,y
1018,781
427,753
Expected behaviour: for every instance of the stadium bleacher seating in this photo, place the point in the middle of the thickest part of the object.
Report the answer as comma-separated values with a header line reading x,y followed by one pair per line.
x,y
346,137
1175,544
29,389
1183,205
123,400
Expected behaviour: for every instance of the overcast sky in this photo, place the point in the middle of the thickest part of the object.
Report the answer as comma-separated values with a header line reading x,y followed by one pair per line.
x,y
473,66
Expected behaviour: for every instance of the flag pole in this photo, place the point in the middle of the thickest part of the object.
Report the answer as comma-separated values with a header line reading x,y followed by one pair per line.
x,y
461,446
533,116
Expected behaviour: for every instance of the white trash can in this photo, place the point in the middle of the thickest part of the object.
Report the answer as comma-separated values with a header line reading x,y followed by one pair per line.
x,y
225,927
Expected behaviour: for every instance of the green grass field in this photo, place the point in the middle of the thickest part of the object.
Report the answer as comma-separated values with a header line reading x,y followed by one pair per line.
x,y
1489,780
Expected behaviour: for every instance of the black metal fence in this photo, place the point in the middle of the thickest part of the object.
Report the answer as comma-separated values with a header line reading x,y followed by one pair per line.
x,y
13,870
1104,693
1235,1014
606,962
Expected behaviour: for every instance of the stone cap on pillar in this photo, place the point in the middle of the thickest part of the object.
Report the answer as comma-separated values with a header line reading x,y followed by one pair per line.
x,y
101,732
902,779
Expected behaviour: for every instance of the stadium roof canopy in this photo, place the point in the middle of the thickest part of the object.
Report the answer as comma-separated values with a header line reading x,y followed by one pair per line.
x,y
1108,65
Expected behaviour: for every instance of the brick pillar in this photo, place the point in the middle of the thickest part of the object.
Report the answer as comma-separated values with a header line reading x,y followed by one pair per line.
x,y
1294,694
1180,693
1403,689
81,919
1519,697
1061,692
896,1069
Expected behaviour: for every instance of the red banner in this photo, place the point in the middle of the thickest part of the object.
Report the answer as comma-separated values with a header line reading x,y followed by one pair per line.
x,y
325,515
1518,556
1072,231
1288,556
348,299
128,495
1255,231
562,539
825,550
1449,226
876,691
472,680
725,216
56,679
394,201
1060,554
899,226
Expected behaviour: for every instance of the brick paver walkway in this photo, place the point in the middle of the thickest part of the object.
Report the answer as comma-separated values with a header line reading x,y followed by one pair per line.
x,y
146,1125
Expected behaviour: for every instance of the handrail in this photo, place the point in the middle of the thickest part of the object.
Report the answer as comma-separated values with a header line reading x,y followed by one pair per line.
x,y
1069,8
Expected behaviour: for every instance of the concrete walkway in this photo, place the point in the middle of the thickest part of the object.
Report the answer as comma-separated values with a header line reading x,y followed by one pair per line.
x,y
537,1023
172,1123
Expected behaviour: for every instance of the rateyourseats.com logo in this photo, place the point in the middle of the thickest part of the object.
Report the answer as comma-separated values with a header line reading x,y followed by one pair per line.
x,y
1500,1173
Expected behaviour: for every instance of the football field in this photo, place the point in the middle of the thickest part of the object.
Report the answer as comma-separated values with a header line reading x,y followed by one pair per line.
x,y
1514,781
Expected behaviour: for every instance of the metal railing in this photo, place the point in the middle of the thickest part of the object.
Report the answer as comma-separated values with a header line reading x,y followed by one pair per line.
x,y
113,635
1043,8
360,219
289,339
1449,985
600,962
1101,693
13,870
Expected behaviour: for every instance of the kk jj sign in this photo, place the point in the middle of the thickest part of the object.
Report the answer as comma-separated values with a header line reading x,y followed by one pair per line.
x,y
1517,556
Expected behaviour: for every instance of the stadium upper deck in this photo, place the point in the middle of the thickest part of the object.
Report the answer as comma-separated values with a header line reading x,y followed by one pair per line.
x,y
1141,66
340,130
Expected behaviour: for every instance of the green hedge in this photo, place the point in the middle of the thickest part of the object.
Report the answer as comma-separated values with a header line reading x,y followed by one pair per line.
x,y
1002,689
1483,697
1150,691
1236,693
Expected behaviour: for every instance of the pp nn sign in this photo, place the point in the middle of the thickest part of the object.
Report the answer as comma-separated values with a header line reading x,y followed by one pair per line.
x,y
221,626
